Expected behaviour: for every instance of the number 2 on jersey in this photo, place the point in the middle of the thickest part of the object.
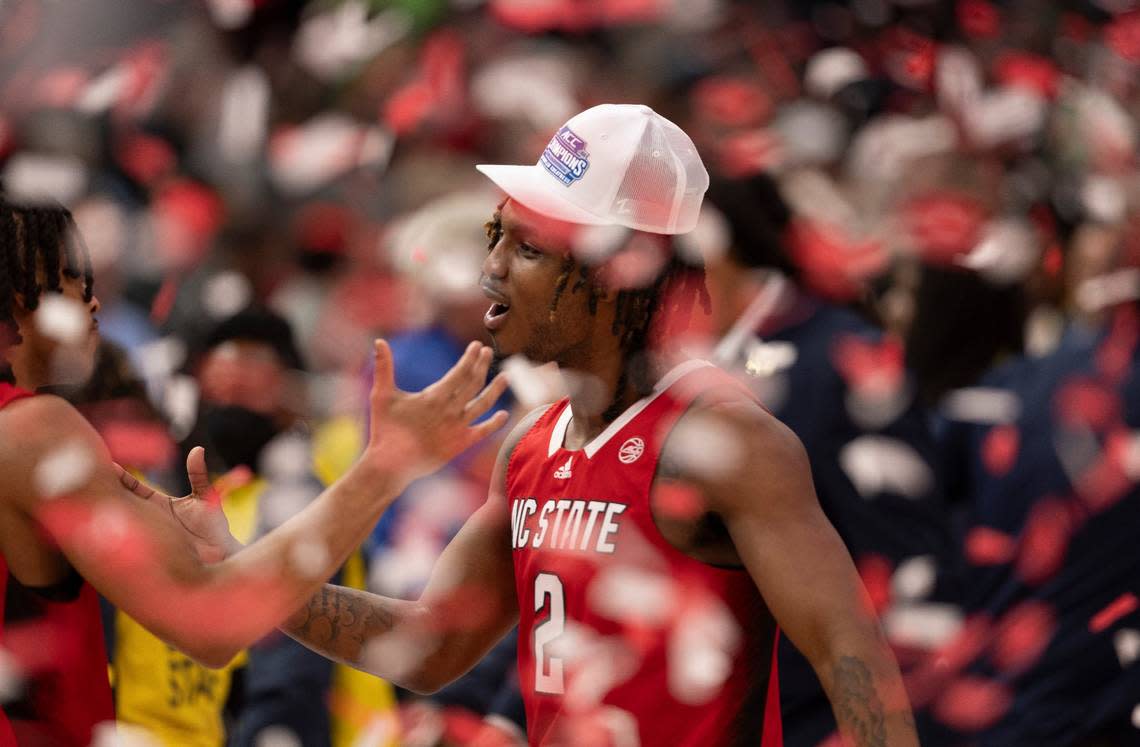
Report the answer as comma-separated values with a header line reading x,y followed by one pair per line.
x,y
548,670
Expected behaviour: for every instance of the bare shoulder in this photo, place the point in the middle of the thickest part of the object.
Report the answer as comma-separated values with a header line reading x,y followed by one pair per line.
x,y
517,433
31,430
742,455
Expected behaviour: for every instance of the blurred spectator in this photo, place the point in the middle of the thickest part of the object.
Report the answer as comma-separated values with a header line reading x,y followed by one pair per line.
x,y
839,383
1049,547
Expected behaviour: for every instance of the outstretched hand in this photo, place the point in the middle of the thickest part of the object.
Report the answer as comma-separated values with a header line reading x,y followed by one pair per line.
x,y
199,513
413,435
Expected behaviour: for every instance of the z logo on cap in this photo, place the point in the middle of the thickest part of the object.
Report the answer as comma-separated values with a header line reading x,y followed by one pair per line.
x,y
566,157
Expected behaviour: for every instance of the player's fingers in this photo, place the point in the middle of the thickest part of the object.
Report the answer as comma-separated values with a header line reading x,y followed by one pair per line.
x,y
451,381
383,373
486,399
132,483
488,426
196,472
477,376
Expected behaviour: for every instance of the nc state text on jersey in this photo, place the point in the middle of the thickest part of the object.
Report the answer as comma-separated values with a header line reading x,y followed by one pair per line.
x,y
565,524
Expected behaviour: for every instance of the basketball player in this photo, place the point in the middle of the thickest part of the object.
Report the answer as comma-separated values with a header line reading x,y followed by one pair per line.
x,y
647,610
66,520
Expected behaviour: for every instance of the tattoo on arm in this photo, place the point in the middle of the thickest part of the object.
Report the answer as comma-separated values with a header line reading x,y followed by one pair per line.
x,y
337,622
856,703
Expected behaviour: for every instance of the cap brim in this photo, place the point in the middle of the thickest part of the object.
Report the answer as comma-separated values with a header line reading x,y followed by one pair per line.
x,y
534,188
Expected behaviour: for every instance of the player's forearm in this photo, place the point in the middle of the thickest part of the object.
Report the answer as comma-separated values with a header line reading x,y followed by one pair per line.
x,y
283,569
353,627
866,692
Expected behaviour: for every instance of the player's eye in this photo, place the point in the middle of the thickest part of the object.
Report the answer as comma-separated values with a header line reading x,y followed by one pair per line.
x,y
530,252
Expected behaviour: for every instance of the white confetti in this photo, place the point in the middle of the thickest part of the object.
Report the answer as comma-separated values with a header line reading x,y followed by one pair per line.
x,y
533,385
180,403
323,149
873,406
630,594
104,92
118,734
287,458
245,114
831,69
1136,716
310,558
914,578
702,647
103,225
1127,644
877,464
985,405
1104,198
226,294
11,677
33,177
64,469
704,446
334,43
282,502
1108,290
928,625
230,14
957,78
1007,253
709,241
63,319
1005,115
277,736
764,359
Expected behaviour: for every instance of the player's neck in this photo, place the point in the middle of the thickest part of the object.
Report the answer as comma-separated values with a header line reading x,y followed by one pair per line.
x,y
592,398
25,371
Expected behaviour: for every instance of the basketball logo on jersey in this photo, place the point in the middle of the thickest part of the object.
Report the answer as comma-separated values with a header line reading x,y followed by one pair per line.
x,y
631,450
563,472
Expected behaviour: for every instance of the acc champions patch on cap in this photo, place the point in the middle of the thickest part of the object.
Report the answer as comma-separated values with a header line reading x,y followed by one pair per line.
x,y
566,157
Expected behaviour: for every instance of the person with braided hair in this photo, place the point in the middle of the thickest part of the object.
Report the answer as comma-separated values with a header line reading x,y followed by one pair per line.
x,y
653,533
70,525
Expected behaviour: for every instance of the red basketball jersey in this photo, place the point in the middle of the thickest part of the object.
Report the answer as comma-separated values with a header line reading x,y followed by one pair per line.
x,y
56,637
623,639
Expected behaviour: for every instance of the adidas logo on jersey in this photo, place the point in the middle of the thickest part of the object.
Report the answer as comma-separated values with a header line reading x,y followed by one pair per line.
x,y
563,472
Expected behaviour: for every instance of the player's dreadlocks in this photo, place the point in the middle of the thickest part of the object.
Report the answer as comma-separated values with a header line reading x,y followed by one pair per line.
x,y
679,284
36,242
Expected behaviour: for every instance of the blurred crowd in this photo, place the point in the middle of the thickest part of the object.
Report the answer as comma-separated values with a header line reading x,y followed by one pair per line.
x,y
921,248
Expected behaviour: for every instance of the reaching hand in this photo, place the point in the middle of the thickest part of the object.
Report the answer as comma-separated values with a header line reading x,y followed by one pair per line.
x,y
413,435
199,513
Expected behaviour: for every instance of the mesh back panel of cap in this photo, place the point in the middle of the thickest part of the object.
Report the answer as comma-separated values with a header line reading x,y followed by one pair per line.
x,y
664,183
696,179
645,198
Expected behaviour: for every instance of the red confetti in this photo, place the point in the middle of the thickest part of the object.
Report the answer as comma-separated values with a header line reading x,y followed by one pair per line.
x,y
834,264
1029,72
1084,401
944,226
999,449
876,571
988,546
677,500
732,102
743,154
972,704
1022,636
1045,541
145,158
868,367
1122,35
1123,605
978,18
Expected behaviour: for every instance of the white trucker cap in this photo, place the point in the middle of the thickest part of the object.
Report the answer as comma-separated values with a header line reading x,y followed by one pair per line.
x,y
613,165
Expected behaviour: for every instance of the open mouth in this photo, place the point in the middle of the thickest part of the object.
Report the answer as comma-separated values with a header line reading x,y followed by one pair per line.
x,y
496,315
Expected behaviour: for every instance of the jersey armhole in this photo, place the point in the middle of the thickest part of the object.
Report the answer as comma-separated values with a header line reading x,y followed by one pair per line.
x,y
528,434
